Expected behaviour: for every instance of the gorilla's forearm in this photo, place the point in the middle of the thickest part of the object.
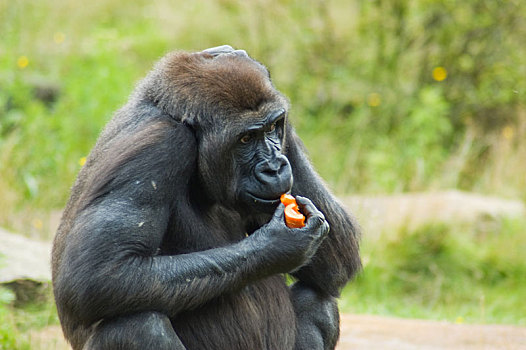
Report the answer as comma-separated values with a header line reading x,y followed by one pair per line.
x,y
129,282
337,259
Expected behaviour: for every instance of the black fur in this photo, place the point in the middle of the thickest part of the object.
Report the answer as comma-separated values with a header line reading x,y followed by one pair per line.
x,y
173,236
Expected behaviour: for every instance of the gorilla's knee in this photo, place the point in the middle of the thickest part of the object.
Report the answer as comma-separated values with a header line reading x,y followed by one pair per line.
x,y
316,313
148,330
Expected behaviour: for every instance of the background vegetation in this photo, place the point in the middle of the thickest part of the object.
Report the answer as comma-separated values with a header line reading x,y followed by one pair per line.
x,y
389,96
461,273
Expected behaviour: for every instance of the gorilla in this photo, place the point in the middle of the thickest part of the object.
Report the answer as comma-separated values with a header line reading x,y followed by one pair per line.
x,y
174,235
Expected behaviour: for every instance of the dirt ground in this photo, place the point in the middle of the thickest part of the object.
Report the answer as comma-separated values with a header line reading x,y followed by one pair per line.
x,y
363,332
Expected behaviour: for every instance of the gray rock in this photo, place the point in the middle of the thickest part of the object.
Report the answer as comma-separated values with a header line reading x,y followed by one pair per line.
x,y
23,258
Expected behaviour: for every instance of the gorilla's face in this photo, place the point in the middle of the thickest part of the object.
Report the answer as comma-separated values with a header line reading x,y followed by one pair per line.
x,y
265,172
247,170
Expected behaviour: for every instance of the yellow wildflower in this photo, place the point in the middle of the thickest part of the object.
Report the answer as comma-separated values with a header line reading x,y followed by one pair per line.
x,y
508,132
38,224
22,62
374,99
439,73
59,37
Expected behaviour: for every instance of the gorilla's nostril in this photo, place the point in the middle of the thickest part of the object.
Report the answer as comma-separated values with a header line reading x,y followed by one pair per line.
x,y
282,168
266,175
269,172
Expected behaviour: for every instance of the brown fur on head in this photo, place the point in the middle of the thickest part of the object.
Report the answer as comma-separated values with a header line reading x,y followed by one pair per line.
x,y
185,85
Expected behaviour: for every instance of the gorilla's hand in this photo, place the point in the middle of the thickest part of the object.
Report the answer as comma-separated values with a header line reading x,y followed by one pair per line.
x,y
289,249
225,50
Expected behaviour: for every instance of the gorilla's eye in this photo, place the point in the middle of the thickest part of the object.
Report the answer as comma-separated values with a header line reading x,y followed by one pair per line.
x,y
246,138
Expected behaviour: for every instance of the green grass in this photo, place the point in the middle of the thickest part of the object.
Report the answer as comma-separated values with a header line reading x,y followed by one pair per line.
x,y
9,335
471,272
17,322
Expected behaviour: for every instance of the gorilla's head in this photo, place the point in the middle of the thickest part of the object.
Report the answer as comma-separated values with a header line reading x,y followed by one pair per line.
x,y
239,121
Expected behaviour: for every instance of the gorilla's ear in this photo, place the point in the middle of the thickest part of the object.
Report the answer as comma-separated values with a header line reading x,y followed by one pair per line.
x,y
190,123
194,127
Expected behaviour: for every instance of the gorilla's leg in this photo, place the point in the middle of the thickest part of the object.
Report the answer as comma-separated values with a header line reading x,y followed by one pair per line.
x,y
317,319
147,330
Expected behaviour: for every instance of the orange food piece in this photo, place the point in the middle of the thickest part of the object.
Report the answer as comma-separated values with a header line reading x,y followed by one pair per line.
x,y
287,199
293,217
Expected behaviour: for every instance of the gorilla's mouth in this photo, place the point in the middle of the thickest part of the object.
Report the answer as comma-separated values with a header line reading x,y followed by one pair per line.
x,y
268,201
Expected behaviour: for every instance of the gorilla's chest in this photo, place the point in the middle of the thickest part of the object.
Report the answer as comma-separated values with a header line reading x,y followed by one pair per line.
x,y
212,229
260,316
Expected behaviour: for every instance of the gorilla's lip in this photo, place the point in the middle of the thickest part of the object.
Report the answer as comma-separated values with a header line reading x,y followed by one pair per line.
x,y
262,200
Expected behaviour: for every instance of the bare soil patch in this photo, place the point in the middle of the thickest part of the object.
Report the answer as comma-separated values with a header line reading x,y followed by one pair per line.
x,y
364,332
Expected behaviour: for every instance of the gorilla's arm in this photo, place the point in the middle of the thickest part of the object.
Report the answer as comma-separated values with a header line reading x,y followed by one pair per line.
x,y
109,264
113,267
337,259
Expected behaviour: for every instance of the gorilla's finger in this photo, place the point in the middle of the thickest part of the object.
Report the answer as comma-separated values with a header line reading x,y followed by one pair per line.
x,y
241,53
218,50
280,211
308,208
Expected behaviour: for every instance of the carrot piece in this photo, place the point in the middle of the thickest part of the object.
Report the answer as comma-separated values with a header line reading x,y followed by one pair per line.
x,y
287,199
293,217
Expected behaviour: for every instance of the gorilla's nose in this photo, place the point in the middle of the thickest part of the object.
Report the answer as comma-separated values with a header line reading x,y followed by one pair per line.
x,y
273,172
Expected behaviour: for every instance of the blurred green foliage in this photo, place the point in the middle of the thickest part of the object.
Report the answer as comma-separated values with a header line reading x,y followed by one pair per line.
x,y
9,334
18,322
448,272
359,75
